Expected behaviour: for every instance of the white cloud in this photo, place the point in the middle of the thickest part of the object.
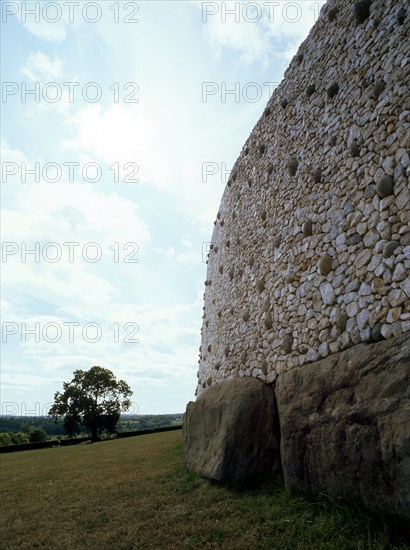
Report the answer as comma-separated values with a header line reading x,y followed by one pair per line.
x,y
69,213
122,134
40,67
168,149
40,19
256,29
49,210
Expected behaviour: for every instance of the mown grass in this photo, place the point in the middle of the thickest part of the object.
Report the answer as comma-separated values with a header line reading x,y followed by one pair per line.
x,y
135,494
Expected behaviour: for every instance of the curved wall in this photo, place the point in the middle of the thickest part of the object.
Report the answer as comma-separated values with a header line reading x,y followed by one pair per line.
x,y
311,246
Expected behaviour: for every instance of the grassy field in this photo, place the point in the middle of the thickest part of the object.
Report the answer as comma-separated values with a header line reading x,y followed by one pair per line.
x,y
135,494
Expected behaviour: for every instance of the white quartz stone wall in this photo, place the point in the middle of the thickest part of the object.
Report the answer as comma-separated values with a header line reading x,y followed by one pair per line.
x,y
311,246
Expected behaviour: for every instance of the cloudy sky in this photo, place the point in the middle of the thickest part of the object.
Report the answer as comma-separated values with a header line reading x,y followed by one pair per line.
x,y
120,123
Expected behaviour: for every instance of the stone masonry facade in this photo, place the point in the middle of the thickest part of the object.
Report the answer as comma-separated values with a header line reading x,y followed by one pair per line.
x,y
310,252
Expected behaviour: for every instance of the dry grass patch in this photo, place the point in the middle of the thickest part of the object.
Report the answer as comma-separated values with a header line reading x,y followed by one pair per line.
x,y
134,494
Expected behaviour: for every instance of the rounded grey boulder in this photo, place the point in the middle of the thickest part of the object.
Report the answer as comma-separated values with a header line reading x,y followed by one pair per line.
x,y
230,432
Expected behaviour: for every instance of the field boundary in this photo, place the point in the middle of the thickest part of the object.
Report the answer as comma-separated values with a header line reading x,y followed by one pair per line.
x,y
81,440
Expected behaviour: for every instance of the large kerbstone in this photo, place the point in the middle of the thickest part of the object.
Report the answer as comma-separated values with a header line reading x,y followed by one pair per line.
x,y
345,426
229,431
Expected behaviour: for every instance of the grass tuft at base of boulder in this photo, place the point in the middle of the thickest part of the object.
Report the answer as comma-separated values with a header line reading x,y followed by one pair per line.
x,y
136,494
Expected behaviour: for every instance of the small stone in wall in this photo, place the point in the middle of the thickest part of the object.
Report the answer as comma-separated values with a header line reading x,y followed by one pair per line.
x,y
277,241
362,319
405,286
264,367
325,265
378,88
268,322
365,289
361,10
284,103
401,15
389,248
244,356
399,170
396,297
354,148
333,90
341,321
293,166
310,90
394,315
290,274
354,239
267,111
388,165
261,285
385,186
317,175
369,191
376,333
328,294
303,349
308,228
287,343
209,347
324,349
387,331
246,316
312,355
332,14
352,309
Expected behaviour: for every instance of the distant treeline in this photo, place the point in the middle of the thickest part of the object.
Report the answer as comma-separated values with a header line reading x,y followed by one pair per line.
x,y
20,425
25,424
132,422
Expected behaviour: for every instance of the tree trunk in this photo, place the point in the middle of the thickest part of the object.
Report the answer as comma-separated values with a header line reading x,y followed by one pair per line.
x,y
94,436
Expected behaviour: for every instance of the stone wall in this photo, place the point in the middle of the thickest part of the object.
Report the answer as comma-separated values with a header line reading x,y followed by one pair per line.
x,y
310,252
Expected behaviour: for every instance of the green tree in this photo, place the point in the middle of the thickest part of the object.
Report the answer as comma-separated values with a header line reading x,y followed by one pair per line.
x,y
25,427
5,439
38,434
93,400
19,437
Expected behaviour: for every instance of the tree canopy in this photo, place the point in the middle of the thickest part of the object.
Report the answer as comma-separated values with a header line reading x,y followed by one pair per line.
x,y
93,400
37,435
